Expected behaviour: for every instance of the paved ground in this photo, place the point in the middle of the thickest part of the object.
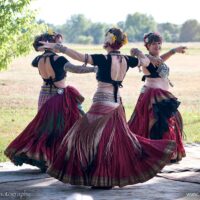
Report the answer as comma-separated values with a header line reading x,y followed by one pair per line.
x,y
176,182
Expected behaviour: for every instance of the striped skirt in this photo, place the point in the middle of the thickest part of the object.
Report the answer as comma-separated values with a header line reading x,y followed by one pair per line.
x,y
38,143
156,116
100,150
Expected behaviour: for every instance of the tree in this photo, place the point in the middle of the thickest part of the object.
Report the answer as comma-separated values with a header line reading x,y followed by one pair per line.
x,y
138,24
79,29
97,31
17,25
190,31
76,26
170,32
121,25
84,39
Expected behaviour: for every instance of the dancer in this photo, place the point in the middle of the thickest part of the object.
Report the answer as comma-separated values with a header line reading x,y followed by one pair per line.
x,y
57,108
156,115
100,150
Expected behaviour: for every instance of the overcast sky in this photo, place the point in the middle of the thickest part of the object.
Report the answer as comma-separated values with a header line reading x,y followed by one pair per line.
x,y
112,11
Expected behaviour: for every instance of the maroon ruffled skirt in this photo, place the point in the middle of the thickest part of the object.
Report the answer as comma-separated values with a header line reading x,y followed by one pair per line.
x,y
100,150
156,116
38,143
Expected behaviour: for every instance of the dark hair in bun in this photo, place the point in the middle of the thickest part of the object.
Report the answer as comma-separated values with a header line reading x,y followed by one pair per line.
x,y
45,37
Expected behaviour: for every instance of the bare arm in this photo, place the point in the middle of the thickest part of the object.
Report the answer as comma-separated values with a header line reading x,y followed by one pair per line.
x,y
75,54
78,69
70,52
143,60
171,52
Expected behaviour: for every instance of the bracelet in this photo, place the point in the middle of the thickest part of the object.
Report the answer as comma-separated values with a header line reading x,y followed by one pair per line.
x,y
95,69
173,51
86,60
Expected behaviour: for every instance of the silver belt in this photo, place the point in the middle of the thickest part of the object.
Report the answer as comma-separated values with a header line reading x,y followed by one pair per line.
x,y
52,90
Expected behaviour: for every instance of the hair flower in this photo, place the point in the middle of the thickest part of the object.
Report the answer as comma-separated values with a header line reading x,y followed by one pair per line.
x,y
50,31
110,38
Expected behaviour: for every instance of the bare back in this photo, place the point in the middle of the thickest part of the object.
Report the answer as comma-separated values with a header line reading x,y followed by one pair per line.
x,y
45,69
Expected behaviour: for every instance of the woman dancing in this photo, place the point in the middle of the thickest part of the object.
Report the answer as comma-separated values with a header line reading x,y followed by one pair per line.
x,y
57,108
156,115
100,150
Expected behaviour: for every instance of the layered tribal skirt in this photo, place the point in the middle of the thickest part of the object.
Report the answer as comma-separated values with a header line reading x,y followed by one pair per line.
x,y
38,143
156,117
100,150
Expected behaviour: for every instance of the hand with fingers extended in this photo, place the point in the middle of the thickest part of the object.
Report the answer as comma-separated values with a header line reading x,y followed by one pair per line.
x,y
180,49
53,46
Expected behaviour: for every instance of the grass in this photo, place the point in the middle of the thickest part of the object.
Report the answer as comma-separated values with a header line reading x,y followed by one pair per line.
x,y
20,85
192,126
12,122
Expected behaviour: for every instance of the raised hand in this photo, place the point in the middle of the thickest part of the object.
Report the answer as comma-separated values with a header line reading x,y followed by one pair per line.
x,y
53,46
181,49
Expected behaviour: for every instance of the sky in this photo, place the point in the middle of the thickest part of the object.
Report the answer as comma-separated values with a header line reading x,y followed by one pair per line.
x,y
113,11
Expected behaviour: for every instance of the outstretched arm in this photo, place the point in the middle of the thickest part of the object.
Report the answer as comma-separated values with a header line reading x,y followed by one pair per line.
x,y
171,52
78,69
70,52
